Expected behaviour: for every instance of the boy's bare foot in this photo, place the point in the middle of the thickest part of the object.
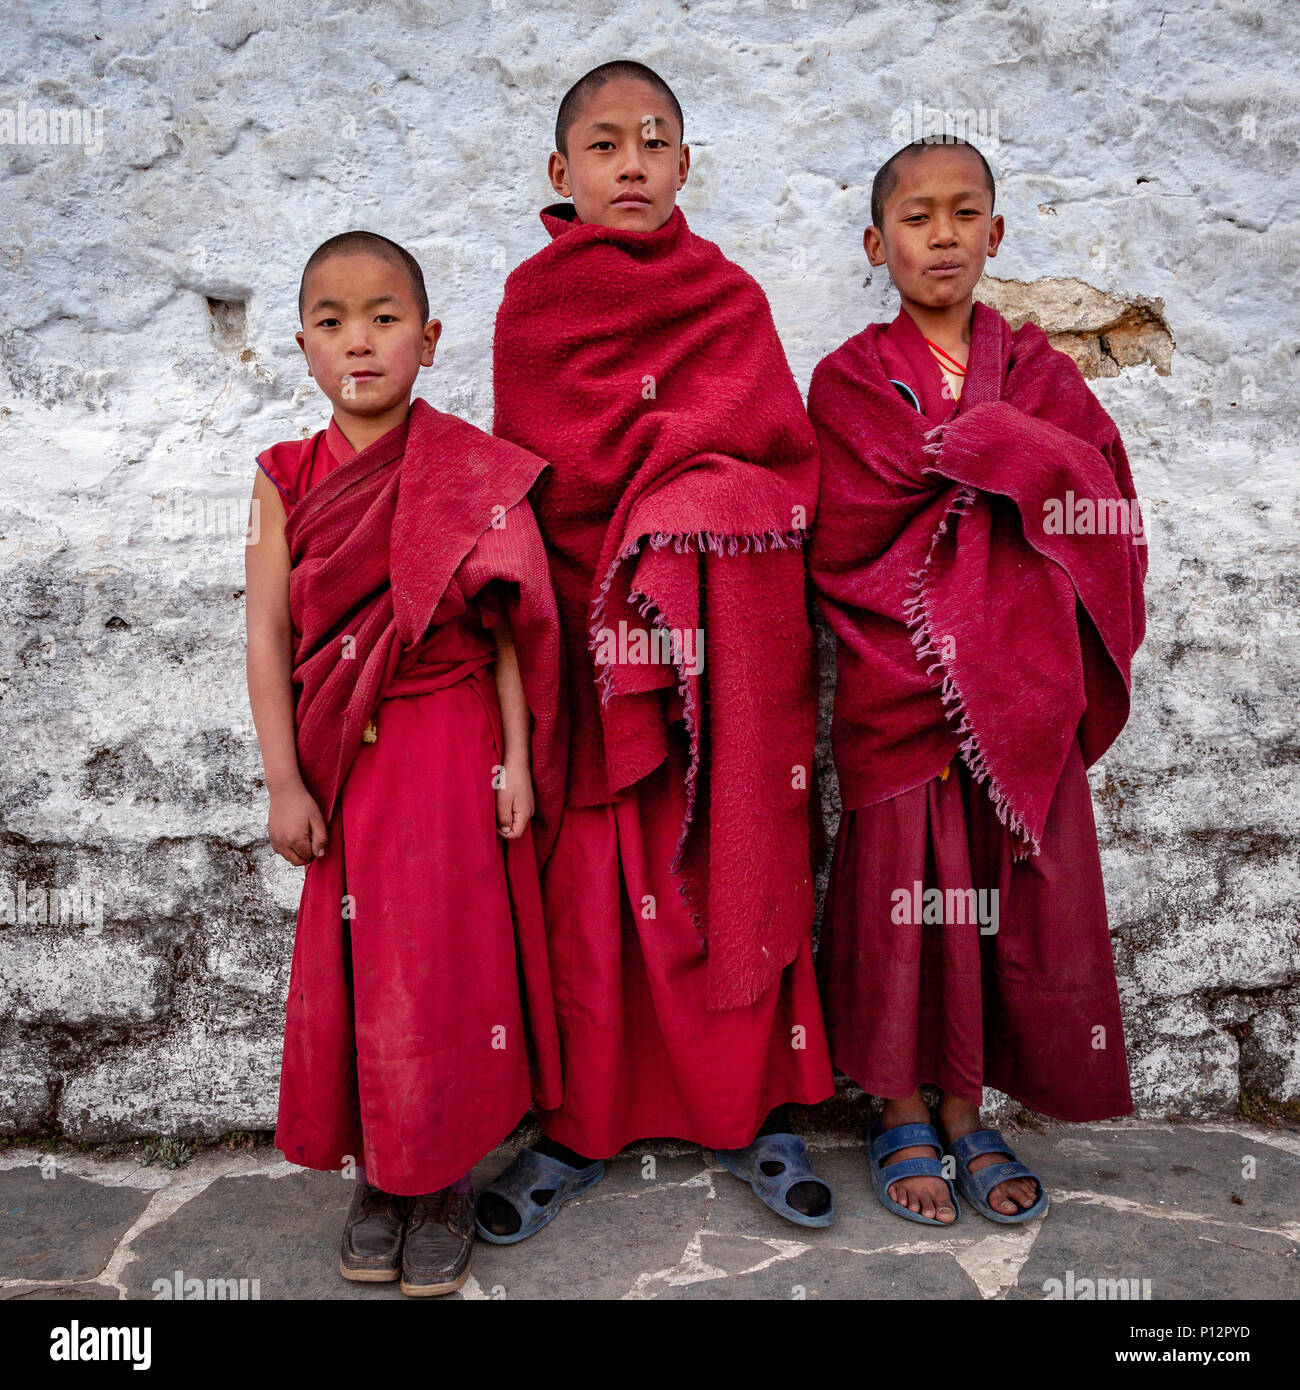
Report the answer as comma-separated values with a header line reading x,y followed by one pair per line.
x,y
928,1196
959,1118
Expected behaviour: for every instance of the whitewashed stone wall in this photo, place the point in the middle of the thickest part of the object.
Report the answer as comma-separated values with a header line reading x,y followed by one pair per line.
x,y
148,274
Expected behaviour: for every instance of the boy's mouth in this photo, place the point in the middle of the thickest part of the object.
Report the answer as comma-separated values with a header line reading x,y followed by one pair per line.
x,y
364,375
633,200
944,269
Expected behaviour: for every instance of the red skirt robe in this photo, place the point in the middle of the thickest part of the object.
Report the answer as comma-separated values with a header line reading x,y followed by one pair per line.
x,y
644,1056
1031,1009
405,1048
584,325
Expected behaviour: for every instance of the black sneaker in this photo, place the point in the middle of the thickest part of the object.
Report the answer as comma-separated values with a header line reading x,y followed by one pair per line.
x,y
371,1251
439,1236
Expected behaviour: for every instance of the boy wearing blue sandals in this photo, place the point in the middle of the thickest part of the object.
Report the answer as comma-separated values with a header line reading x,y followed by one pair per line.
x,y
676,509
983,653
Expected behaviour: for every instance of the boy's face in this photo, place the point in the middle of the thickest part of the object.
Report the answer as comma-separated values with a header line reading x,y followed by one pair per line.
x,y
625,161
938,228
362,334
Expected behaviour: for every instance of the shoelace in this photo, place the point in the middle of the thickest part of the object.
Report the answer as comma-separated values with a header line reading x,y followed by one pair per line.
x,y
374,1198
431,1206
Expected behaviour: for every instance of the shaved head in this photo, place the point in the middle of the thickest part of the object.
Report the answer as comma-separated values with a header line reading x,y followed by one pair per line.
x,y
887,177
587,86
367,244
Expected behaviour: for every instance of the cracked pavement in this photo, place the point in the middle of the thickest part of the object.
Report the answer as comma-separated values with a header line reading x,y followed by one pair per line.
x,y
1172,1204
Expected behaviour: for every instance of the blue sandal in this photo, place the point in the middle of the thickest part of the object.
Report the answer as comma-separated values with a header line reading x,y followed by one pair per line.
x,y
534,1172
792,1152
975,1187
882,1142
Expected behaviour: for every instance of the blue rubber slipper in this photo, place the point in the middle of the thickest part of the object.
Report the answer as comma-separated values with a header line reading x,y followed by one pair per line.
x,y
792,1152
975,1187
882,1142
534,1172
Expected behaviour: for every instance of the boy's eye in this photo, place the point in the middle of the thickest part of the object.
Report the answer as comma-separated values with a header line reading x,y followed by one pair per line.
x,y
603,144
379,318
915,217
326,323
655,140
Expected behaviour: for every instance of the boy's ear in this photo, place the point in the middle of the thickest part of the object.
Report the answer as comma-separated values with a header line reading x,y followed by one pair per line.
x,y
432,332
557,169
683,165
302,343
874,245
997,228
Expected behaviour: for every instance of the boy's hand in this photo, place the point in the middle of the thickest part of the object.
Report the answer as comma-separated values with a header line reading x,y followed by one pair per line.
x,y
296,826
515,803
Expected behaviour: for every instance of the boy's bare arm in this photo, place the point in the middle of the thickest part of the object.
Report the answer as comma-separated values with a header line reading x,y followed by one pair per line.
x,y
295,824
515,798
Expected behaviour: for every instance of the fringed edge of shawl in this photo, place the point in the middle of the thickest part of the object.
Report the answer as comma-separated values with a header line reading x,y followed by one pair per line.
x,y
918,623
706,542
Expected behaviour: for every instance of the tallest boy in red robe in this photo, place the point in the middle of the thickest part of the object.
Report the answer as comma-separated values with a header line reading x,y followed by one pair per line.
x,y
645,368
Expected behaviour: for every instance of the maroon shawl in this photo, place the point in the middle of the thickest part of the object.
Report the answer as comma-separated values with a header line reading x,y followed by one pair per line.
x,y
953,588
645,367
376,545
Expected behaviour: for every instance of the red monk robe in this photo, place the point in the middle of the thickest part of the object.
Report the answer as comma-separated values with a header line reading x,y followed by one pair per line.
x,y
646,369
420,983
950,597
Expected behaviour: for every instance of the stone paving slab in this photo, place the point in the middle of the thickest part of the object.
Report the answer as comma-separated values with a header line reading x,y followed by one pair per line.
x,y
62,1227
597,1248
837,1273
77,1293
279,1231
1181,1259
1154,1167
1130,1201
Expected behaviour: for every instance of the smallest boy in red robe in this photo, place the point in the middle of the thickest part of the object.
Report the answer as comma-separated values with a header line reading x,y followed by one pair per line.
x,y
404,678
983,652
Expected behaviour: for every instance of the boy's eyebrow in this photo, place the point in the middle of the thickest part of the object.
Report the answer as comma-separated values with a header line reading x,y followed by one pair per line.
x,y
613,125
961,193
338,303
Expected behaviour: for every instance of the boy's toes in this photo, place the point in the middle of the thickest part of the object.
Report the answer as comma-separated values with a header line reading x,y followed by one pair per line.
x,y
1000,1199
1018,1194
923,1202
939,1208
1026,1193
